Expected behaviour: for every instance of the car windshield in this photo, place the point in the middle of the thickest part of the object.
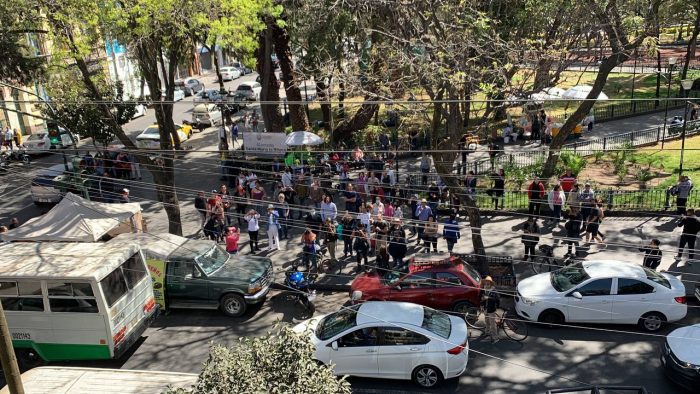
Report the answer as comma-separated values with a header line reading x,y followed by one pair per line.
x,y
244,87
657,278
566,278
34,137
471,272
213,259
391,277
436,322
336,323
151,130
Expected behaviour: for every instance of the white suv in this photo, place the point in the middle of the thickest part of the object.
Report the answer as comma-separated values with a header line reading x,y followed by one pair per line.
x,y
606,291
391,340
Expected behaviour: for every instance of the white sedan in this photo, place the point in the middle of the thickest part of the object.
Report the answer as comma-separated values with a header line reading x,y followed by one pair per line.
x,y
230,73
390,340
37,143
606,291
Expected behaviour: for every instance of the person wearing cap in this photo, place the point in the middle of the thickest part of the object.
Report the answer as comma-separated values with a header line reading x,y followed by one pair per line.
x,y
490,301
233,235
423,212
124,196
587,200
273,239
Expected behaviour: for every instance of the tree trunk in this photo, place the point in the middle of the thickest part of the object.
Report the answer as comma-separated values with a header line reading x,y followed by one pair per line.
x,y
341,100
360,120
297,114
217,67
270,92
324,98
542,76
690,51
583,109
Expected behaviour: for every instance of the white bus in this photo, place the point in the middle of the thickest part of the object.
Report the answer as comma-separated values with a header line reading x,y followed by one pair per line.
x,y
75,301
51,380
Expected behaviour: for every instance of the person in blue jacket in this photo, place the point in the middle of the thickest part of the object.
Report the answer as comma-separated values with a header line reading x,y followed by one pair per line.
x,y
450,231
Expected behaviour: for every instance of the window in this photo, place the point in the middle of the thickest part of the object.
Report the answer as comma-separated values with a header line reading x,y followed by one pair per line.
x,y
446,279
596,288
21,296
124,278
397,336
74,297
657,278
418,280
632,286
564,279
336,323
436,322
362,337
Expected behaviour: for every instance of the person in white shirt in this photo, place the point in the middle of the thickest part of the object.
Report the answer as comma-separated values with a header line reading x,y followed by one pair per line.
x,y
364,218
223,137
391,175
253,227
251,180
328,209
273,239
287,178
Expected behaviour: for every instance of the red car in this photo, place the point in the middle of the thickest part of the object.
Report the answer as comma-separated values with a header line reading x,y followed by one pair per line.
x,y
437,281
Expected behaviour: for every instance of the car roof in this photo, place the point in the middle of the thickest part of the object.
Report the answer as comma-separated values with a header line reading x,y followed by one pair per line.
x,y
204,107
249,84
613,268
390,311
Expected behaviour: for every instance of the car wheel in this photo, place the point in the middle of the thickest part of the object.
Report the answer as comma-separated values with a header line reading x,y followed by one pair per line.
x,y
551,318
232,305
427,376
652,321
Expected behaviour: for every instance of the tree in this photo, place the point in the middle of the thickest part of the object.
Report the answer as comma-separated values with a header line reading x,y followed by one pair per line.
x,y
290,76
19,20
624,36
279,362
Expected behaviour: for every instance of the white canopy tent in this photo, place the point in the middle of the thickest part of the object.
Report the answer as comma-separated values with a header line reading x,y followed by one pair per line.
x,y
301,138
580,92
75,219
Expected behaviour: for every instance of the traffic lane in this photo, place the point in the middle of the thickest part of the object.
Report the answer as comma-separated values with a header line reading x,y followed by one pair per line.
x,y
556,358
189,332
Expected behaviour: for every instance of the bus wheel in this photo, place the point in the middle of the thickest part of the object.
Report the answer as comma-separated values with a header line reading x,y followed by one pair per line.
x,y
28,359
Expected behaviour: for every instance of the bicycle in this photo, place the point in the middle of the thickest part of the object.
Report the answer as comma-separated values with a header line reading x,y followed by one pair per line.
x,y
513,327
546,261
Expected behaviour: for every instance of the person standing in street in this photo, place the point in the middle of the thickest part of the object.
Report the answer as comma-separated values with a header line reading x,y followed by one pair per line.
x,y
124,196
530,237
535,195
490,301
450,231
397,242
273,239
234,135
587,200
9,138
253,227
652,254
223,137
498,189
361,246
425,165
556,200
423,212
328,209
330,237
567,181
573,231
348,224
430,234
233,235
200,204
283,214
691,226
683,189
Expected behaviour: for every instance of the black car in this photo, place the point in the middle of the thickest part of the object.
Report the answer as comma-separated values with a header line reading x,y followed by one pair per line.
x,y
680,357
189,85
244,70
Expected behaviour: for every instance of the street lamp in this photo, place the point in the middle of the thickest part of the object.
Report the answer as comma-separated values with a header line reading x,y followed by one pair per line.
x,y
687,84
671,63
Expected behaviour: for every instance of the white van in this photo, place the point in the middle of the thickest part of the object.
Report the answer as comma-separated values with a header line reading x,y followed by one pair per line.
x,y
65,380
74,301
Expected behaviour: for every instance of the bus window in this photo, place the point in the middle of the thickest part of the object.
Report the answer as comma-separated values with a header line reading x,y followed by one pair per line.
x,y
114,286
22,296
134,270
75,297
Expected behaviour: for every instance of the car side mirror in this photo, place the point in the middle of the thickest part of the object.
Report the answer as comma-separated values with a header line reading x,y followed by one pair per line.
x,y
577,295
334,345
398,287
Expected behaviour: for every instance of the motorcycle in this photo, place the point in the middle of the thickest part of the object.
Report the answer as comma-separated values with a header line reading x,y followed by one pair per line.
x,y
299,282
19,154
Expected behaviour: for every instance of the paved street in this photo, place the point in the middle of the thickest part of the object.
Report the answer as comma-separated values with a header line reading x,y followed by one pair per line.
x,y
585,354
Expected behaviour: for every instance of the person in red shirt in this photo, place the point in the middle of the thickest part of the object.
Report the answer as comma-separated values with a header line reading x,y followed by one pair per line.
x,y
232,237
535,194
567,181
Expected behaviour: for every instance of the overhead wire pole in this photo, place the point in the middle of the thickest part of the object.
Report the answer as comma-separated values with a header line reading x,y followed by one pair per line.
x,y
8,358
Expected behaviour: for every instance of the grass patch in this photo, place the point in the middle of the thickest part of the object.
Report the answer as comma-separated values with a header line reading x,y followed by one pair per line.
x,y
670,159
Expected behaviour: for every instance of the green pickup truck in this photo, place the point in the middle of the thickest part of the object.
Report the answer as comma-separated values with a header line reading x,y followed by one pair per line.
x,y
199,274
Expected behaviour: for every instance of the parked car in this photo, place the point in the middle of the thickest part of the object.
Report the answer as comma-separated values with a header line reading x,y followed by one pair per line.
x,y
244,70
680,356
249,90
140,111
37,143
438,281
206,115
59,138
189,86
42,189
178,94
150,137
209,95
390,340
230,73
602,292
259,80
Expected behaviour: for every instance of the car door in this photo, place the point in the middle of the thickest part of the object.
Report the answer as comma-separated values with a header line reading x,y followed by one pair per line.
x,y
595,305
415,287
186,284
400,351
631,300
448,289
356,353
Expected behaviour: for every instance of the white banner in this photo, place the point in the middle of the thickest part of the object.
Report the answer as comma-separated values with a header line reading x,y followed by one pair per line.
x,y
265,144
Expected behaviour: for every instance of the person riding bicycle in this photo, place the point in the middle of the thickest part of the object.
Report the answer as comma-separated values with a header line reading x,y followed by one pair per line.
x,y
490,301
